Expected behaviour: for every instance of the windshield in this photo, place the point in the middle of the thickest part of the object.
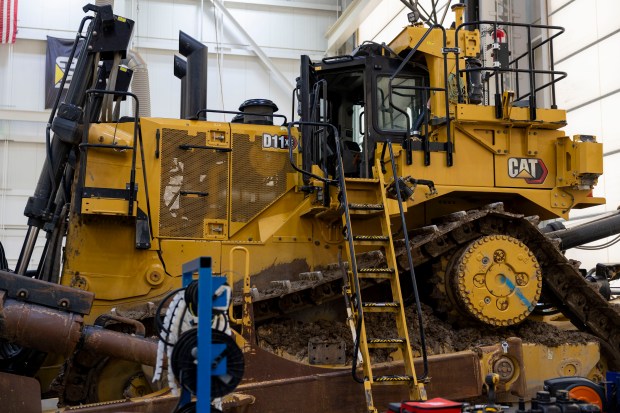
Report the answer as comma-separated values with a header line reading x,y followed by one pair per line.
x,y
406,102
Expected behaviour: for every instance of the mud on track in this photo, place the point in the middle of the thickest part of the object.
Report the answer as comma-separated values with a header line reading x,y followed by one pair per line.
x,y
289,338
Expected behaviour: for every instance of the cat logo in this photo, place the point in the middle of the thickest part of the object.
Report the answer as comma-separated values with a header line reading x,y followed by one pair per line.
x,y
59,71
533,170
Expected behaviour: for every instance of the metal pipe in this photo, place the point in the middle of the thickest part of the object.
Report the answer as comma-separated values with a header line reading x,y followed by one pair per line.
x,y
120,345
56,331
39,327
27,249
414,282
588,232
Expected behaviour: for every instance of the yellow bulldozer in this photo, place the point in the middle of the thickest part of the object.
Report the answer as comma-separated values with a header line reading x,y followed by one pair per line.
x,y
404,193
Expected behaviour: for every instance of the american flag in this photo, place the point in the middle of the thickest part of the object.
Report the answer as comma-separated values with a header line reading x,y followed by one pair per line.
x,y
8,21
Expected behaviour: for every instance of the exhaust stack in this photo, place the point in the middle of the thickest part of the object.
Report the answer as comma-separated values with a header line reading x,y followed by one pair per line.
x,y
196,75
180,70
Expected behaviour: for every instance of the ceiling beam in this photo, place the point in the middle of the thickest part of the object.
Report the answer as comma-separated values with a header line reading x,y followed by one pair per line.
x,y
282,81
348,23
288,4
145,42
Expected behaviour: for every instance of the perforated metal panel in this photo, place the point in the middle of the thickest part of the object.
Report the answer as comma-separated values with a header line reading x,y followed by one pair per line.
x,y
194,185
258,176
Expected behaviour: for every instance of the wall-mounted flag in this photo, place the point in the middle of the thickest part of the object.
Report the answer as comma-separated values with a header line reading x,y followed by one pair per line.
x,y
57,56
8,21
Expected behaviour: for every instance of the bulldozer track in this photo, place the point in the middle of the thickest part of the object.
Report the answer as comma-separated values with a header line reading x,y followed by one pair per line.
x,y
563,284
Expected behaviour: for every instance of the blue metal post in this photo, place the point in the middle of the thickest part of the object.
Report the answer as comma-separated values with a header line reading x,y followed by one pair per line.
x,y
207,352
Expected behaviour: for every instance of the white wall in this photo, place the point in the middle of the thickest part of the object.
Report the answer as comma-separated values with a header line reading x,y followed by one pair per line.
x,y
591,94
283,29
390,18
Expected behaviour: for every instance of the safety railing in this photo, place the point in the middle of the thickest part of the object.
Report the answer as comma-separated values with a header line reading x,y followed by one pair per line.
x,y
423,119
514,66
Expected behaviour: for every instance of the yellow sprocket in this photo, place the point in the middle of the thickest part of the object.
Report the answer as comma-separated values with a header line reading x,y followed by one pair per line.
x,y
495,279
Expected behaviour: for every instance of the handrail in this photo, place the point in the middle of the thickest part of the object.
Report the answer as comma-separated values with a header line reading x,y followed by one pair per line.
x,y
406,60
416,295
347,216
344,201
132,178
290,150
232,112
246,280
516,70
531,70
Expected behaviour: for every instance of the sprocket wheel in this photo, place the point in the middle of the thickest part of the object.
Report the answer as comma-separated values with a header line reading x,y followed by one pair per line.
x,y
494,279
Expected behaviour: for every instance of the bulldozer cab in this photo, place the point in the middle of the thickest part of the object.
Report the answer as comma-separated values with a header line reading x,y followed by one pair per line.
x,y
368,97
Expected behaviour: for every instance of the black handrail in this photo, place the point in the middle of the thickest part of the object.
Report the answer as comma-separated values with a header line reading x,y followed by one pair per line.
x,y
445,51
531,69
349,236
132,178
105,146
561,75
290,150
416,295
187,146
232,112
343,193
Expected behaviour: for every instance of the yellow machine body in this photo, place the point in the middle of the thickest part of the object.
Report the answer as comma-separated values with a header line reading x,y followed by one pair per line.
x,y
214,189
253,198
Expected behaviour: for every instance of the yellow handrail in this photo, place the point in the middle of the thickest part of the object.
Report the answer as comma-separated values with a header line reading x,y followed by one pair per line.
x,y
246,279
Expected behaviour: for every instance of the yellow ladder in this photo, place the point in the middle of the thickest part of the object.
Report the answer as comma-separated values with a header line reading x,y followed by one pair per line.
x,y
367,227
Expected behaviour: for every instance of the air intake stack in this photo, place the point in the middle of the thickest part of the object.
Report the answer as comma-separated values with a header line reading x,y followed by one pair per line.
x,y
196,75
180,71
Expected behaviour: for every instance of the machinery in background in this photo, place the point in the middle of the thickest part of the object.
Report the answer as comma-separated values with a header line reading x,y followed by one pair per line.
x,y
560,395
412,178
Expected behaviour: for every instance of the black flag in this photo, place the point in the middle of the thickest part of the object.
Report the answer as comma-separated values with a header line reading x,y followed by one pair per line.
x,y
58,51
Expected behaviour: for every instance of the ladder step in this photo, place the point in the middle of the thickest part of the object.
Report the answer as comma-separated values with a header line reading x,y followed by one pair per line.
x,y
362,180
381,307
373,238
385,342
366,270
392,379
366,207
380,273
377,276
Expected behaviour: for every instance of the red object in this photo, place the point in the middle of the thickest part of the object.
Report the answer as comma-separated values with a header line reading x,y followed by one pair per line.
x,y
437,405
586,394
500,35
8,21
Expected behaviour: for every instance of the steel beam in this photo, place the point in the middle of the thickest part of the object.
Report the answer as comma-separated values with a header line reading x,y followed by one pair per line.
x,y
348,23
143,42
304,5
284,83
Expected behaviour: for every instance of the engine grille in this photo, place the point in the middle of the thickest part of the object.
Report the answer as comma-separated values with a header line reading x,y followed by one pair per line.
x,y
258,176
190,172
